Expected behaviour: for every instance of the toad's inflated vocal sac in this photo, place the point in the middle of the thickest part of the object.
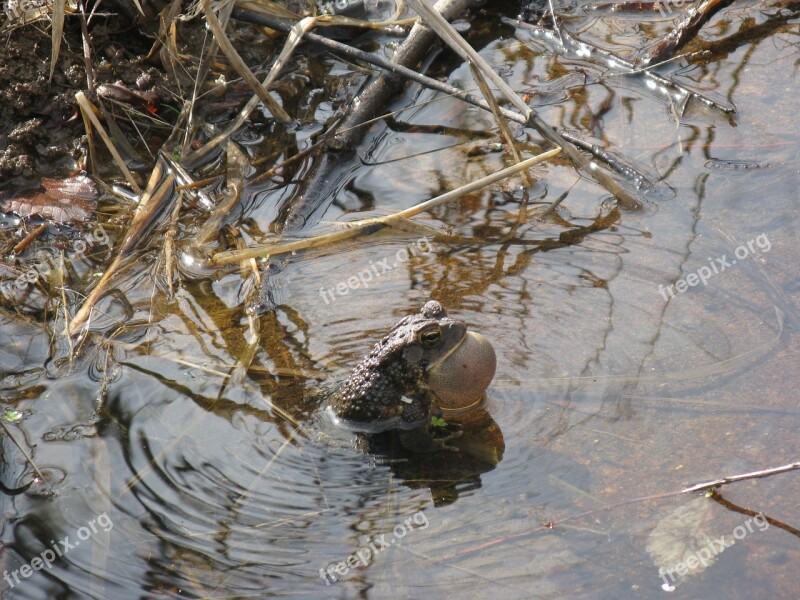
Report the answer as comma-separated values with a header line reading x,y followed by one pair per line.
x,y
427,361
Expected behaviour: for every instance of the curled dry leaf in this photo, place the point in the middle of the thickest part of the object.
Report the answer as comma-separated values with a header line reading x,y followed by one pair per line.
x,y
59,200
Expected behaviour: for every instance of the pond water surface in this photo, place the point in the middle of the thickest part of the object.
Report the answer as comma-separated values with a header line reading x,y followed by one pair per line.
x,y
616,380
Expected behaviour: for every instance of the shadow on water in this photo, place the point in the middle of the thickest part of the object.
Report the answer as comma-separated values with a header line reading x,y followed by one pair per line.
x,y
167,470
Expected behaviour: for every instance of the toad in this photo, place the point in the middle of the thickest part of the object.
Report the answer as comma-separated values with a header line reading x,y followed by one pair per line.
x,y
426,361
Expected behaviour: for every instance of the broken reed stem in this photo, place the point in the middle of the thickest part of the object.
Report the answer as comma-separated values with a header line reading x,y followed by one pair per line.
x,y
505,130
56,33
87,108
212,225
553,136
457,43
238,64
572,43
369,226
148,209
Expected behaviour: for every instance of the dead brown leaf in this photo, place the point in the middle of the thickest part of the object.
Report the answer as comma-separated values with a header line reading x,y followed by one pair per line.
x,y
59,200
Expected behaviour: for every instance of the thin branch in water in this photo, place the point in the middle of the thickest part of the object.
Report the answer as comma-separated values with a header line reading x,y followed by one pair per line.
x,y
555,523
706,485
22,449
717,497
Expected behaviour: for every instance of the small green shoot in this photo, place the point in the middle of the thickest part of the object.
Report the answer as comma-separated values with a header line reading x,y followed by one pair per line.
x,y
438,421
12,416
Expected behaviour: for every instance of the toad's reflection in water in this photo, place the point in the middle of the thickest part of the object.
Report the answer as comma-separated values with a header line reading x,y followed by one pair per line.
x,y
477,450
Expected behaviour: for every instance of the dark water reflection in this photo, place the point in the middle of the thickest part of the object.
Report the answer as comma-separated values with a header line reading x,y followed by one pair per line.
x,y
604,391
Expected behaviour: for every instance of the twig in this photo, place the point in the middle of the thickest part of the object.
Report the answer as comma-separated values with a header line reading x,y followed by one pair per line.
x,y
22,449
698,487
717,497
554,523
183,177
292,159
32,235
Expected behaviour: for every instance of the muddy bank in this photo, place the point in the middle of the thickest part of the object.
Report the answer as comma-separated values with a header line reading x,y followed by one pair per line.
x,y
42,133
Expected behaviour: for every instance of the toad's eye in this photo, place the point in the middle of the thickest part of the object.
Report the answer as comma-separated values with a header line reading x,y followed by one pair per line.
x,y
431,337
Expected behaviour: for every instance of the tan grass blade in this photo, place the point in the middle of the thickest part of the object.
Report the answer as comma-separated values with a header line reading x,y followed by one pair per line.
x,y
59,8
241,68
87,108
358,227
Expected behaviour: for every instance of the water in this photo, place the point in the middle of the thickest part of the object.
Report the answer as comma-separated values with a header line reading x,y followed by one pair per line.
x,y
611,384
